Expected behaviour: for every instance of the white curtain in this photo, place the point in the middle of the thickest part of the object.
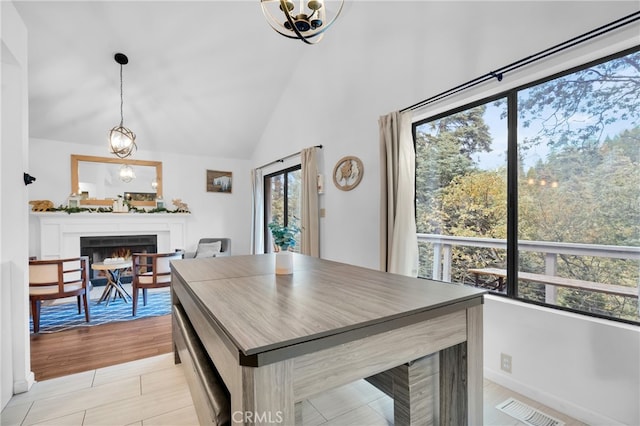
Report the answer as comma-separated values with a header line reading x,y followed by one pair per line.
x,y
257,211
310,235
399,243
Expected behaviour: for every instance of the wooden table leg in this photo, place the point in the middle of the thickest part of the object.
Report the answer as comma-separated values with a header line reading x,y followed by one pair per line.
x,y
106,294
453,389
415,392
475,373
267,395
117,284
461,376
414,387
121,292
114,284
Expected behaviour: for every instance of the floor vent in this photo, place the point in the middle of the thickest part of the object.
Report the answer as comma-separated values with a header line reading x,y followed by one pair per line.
x,y
526,414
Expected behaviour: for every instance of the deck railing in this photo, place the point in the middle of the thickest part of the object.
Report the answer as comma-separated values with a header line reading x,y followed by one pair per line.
x,y
443,244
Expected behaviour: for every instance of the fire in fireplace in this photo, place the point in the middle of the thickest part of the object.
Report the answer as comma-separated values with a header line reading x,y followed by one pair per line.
x,y
98,248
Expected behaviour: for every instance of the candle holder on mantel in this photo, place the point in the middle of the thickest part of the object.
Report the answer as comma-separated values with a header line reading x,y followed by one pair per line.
x,y
73,202
284,239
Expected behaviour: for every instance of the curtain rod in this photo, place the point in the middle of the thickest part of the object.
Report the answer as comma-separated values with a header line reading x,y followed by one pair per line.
x,y
281,160
499,73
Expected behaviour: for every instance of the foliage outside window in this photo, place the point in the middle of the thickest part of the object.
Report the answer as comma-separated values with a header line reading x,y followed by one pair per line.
x,y
461,186
283,191
575,146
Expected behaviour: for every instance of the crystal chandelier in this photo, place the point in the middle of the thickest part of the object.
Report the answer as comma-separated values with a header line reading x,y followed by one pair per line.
x,y
122,141
303,23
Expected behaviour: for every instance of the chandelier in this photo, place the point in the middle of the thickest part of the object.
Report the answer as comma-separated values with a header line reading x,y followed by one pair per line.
x,y
303,23
122,141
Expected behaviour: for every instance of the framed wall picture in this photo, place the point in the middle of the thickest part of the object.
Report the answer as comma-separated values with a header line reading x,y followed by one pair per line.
x,y
218,181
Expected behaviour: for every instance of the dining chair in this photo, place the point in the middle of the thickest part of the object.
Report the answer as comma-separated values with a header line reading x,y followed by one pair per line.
x,y
56,279
150,270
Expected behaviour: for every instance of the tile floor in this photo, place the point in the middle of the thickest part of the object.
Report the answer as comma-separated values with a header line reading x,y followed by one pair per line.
x,y
153,391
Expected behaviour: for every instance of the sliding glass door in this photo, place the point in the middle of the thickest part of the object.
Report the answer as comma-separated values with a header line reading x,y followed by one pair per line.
x,y
283,191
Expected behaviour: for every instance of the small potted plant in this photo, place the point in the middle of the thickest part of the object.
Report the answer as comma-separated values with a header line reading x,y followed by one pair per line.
x,y
284,239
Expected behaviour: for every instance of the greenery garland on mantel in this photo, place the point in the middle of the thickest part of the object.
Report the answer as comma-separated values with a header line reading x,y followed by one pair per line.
x,y
44,206
132,209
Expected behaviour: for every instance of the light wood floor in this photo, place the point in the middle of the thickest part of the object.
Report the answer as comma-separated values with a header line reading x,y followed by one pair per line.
x,y
115,374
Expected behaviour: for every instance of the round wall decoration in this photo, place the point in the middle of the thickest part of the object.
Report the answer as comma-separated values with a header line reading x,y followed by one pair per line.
x,y
347,173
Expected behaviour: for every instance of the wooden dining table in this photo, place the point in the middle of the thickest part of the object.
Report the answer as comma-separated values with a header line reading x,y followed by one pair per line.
x,y
274,340
113,271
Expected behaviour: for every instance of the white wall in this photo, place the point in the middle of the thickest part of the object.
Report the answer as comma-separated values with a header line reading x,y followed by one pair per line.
x,y
213,214
14,335
367,67
574,364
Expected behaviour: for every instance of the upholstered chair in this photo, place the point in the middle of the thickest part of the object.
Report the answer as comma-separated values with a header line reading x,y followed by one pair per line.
x,y
211,247
56,279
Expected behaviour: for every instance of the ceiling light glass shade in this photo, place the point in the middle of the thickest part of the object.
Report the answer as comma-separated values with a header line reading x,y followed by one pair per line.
x,y
126,173
305,21
122,142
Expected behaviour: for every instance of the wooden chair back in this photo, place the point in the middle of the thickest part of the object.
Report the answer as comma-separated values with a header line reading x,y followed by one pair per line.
x,y
151,270
56,279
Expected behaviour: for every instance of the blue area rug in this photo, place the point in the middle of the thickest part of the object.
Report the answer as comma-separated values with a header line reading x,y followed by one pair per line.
x,y
65,316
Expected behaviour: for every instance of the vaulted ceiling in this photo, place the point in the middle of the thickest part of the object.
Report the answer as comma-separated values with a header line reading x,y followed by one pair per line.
x,y
201,74
204,77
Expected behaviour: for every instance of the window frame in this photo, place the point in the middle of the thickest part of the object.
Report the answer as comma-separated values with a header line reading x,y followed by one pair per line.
x,y
512,174
267,198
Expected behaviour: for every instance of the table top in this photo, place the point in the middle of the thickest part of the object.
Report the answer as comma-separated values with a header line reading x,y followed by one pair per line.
x,y
261,311
101,266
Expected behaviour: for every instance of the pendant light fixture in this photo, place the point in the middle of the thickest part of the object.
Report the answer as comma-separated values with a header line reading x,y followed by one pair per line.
x,y
303,23
126,173
122,141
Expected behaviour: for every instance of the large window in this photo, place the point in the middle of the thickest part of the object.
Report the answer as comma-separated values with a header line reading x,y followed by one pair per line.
x,y
461,191
565,152
283,191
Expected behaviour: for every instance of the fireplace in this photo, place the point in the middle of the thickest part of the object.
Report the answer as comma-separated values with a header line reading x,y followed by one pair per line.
x,y
98,248
56,235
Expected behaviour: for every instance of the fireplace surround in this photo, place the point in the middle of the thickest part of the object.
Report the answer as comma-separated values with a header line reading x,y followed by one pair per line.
x,y
56,235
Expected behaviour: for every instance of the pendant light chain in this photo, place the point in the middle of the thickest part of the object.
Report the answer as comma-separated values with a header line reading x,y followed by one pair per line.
x,y
121,99
122,141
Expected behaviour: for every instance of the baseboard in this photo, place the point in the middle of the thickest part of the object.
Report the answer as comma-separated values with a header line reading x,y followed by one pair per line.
x,y
570,409
23,385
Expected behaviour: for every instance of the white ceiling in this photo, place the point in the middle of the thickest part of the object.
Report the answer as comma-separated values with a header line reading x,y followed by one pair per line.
x,y
204,74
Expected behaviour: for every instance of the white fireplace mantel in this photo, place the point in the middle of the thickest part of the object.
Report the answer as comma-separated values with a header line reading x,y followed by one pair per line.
x,y
57,234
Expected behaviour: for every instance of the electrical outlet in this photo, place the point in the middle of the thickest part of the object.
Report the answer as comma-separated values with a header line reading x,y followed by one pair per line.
x,y
505,362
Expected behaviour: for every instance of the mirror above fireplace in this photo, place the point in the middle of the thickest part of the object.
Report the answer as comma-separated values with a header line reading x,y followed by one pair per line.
x,y
99,180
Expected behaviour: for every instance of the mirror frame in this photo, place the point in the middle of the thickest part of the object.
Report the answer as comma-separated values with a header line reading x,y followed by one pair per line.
x,y
75,188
